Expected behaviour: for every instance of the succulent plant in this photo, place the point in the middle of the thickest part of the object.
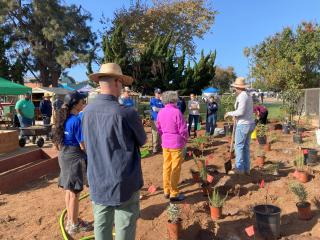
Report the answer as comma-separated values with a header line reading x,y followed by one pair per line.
x,y
216,200
173,213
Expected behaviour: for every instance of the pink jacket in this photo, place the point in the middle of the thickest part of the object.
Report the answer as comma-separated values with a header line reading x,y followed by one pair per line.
x,y
172,127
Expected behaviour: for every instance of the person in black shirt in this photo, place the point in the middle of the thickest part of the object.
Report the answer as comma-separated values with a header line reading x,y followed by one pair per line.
x,y
212,111
46,109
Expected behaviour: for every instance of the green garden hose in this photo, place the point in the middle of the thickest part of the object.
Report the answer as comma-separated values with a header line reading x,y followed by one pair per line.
x,y
61,222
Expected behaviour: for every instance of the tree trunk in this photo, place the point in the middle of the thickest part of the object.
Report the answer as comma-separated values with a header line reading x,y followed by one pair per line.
x,y
44,76
55,77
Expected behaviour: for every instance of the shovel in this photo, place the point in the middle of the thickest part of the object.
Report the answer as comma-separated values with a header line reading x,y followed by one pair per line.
x,y
228,164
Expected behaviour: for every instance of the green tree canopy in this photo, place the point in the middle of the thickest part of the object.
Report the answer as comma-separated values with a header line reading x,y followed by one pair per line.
x,y
55,35
288,57
223,78
186,18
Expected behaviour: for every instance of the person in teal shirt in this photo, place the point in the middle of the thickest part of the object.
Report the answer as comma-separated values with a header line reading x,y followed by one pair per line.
x,y
25,111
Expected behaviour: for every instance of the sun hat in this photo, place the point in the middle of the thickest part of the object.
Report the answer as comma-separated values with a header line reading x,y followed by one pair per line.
x,y
73,98
126,89
111,70
47,95
158,90
240,83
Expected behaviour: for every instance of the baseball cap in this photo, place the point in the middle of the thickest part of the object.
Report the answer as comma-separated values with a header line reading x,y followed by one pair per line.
x,y
157,90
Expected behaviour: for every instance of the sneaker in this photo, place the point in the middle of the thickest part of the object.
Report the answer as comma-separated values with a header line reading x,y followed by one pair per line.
x,y
178,198
81,226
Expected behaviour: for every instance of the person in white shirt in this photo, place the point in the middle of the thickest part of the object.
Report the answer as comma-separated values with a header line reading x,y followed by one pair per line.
x,y
194,107
244,126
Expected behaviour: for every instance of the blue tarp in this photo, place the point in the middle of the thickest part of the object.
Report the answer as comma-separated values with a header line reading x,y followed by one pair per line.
x,y
211,90
65,86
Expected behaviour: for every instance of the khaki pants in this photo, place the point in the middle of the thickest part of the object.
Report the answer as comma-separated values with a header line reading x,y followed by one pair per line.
x,y
156,141
171,170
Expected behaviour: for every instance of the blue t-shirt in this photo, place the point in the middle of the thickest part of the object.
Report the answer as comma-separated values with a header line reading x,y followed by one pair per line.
x,y
72,131
128,102
155,102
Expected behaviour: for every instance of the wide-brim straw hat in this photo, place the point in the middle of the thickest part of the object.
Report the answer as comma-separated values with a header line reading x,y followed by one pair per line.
x,y
239,83
111,70
47,95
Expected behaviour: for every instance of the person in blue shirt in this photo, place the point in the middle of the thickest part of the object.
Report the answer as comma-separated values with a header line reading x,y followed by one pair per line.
x,y
68,139
46,109
125,99
155,104
212,111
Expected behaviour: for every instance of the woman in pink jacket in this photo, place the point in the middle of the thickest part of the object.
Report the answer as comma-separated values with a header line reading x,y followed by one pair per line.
x,y
173,130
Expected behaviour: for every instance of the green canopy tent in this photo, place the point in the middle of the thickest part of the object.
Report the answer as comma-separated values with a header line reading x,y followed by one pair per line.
x,y
10,88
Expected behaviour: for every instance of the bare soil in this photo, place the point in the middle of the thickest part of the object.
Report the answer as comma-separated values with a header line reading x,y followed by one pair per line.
x,y
32,212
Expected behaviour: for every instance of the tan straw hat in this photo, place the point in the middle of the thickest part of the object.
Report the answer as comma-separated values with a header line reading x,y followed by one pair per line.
x,y
47,95
111,70
239,83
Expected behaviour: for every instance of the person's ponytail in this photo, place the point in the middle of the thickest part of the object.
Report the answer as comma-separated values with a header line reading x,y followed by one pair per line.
x,y
58,134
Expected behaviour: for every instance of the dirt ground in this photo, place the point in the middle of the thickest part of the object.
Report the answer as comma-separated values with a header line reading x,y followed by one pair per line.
x,y
32,212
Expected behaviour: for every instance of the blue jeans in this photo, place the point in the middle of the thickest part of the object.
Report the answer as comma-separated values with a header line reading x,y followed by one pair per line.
x,y
242,146
192,118
25,122
211,124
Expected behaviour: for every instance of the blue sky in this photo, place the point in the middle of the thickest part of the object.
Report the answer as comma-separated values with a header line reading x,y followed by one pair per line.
x,y
240,23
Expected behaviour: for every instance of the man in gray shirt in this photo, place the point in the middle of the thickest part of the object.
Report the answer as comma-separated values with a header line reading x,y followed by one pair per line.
x,y
113,135
244,126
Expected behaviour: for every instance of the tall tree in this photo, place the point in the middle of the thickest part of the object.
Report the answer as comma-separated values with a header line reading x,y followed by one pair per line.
x,y
56,34
288,57
223,78
186,18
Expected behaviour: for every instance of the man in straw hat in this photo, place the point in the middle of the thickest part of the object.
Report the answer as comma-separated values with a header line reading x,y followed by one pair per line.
x,y
244,126
113,135
46,108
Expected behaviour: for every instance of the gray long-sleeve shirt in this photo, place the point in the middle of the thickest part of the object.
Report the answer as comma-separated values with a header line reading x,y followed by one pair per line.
x,y
113,135
244,109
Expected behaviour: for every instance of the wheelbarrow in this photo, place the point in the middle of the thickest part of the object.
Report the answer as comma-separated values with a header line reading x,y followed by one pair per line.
x,y
36,132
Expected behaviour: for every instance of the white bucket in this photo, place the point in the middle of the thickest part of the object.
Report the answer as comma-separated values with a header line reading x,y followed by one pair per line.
x,y
318,136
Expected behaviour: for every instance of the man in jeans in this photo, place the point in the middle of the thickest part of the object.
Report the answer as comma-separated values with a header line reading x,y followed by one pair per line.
x,y
25,110
156,105
113,135
244,126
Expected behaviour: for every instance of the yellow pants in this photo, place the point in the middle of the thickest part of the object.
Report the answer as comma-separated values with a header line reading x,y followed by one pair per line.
x,y
171,170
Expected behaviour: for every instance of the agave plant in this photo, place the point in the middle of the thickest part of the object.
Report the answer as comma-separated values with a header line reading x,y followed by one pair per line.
x,y
299,190
173,213
216,200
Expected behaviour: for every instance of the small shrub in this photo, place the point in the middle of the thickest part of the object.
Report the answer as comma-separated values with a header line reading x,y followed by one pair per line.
x,y
299,190
173,213
261,130
216,200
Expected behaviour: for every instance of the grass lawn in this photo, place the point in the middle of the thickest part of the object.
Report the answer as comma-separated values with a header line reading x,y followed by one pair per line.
x,y
274,111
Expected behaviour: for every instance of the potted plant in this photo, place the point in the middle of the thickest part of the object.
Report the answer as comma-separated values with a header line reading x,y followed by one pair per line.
x,y
216,203
273,169
300,173
260,157
205,185
227,103
272,138
174,221
304,207
200,143
262,130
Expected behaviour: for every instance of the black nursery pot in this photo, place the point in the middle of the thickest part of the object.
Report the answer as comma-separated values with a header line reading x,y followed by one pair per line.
x,y
228,129
312,156
262,140
268,221
286,129
297,138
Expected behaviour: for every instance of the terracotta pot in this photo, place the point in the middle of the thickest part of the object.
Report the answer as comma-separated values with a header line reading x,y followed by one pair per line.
x,y
303,176
304,210
195,176
260,161
215,212
173,230
267,147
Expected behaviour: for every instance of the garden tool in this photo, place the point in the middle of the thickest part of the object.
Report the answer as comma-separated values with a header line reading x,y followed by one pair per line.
x,y
228,163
